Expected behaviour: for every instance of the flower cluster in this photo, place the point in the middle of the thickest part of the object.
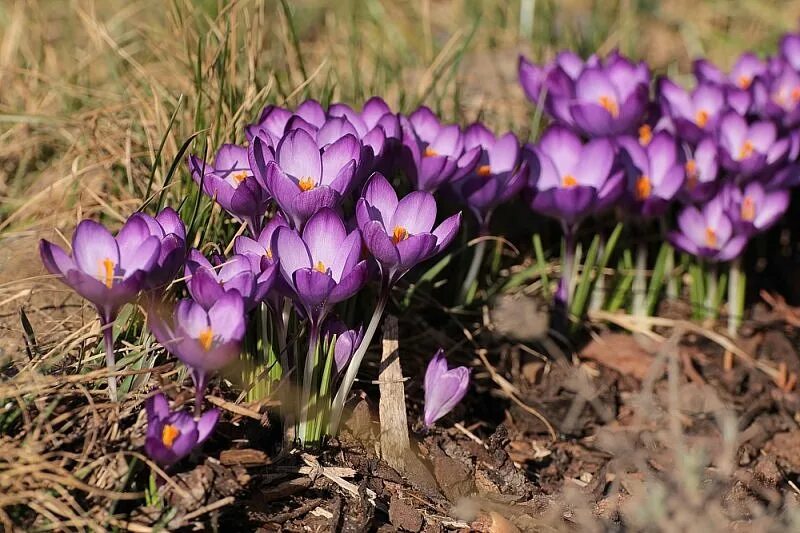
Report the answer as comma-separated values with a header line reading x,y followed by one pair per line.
x,y
723,153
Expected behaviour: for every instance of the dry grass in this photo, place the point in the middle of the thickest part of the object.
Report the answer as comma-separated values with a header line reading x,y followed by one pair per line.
x,y
88,90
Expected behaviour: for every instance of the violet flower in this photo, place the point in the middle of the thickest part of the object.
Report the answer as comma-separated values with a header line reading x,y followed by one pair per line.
x,y
347,340
322,264
270,126
172,435
434,153
575,181
596,98
499,176
693,113
251,279
744,72
708,232
655,174
444,387
749,149
702,170
754,209
205,340
790,49
230,182
377,127
778,96
304,177
400,234
106,270
168,227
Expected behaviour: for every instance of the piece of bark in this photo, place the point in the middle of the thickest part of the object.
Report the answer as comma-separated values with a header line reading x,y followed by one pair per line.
x,y
392,407
395,444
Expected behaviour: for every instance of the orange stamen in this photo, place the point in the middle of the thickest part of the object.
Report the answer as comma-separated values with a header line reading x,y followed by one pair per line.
x,y
107,272
608,103
691,174
306,184
269,253
711,238
746,150
748,210
206,337
169,434
701,118
430,152
320,267
240,176
484,171
399,234
745,81
643,188
645,135
569,181
796,94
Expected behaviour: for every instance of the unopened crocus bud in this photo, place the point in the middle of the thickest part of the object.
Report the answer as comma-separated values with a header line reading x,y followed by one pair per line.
x,y
444,387
172,435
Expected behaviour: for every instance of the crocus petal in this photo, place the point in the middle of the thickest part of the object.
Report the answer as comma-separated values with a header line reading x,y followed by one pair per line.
x,y
323,235
379,243
54,258
226,317
447,231
416,213
350,284
313,287
298,156
381,199
92,244
206,424
291,251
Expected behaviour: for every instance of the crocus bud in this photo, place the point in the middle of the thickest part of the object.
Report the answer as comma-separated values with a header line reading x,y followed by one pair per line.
x,y
444,387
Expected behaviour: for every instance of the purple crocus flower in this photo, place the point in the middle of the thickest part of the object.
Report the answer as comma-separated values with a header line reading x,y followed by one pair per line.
x,y
744,72
694,113
753,209
270,126
702,170
434,153
259,249
655,173
347,340
377,127
250,279
778,96
500,175
611,99
322,265
596,98
106,270
790,50
204,340
168,227
748,149
444,387
304,177
575,179
400,234
172,435
708,232
230,182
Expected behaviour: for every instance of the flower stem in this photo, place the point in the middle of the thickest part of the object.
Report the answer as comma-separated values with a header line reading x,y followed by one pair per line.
x,y
712,286
564,293
640,281
736,296
107,325
474,268
355,362
308,377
